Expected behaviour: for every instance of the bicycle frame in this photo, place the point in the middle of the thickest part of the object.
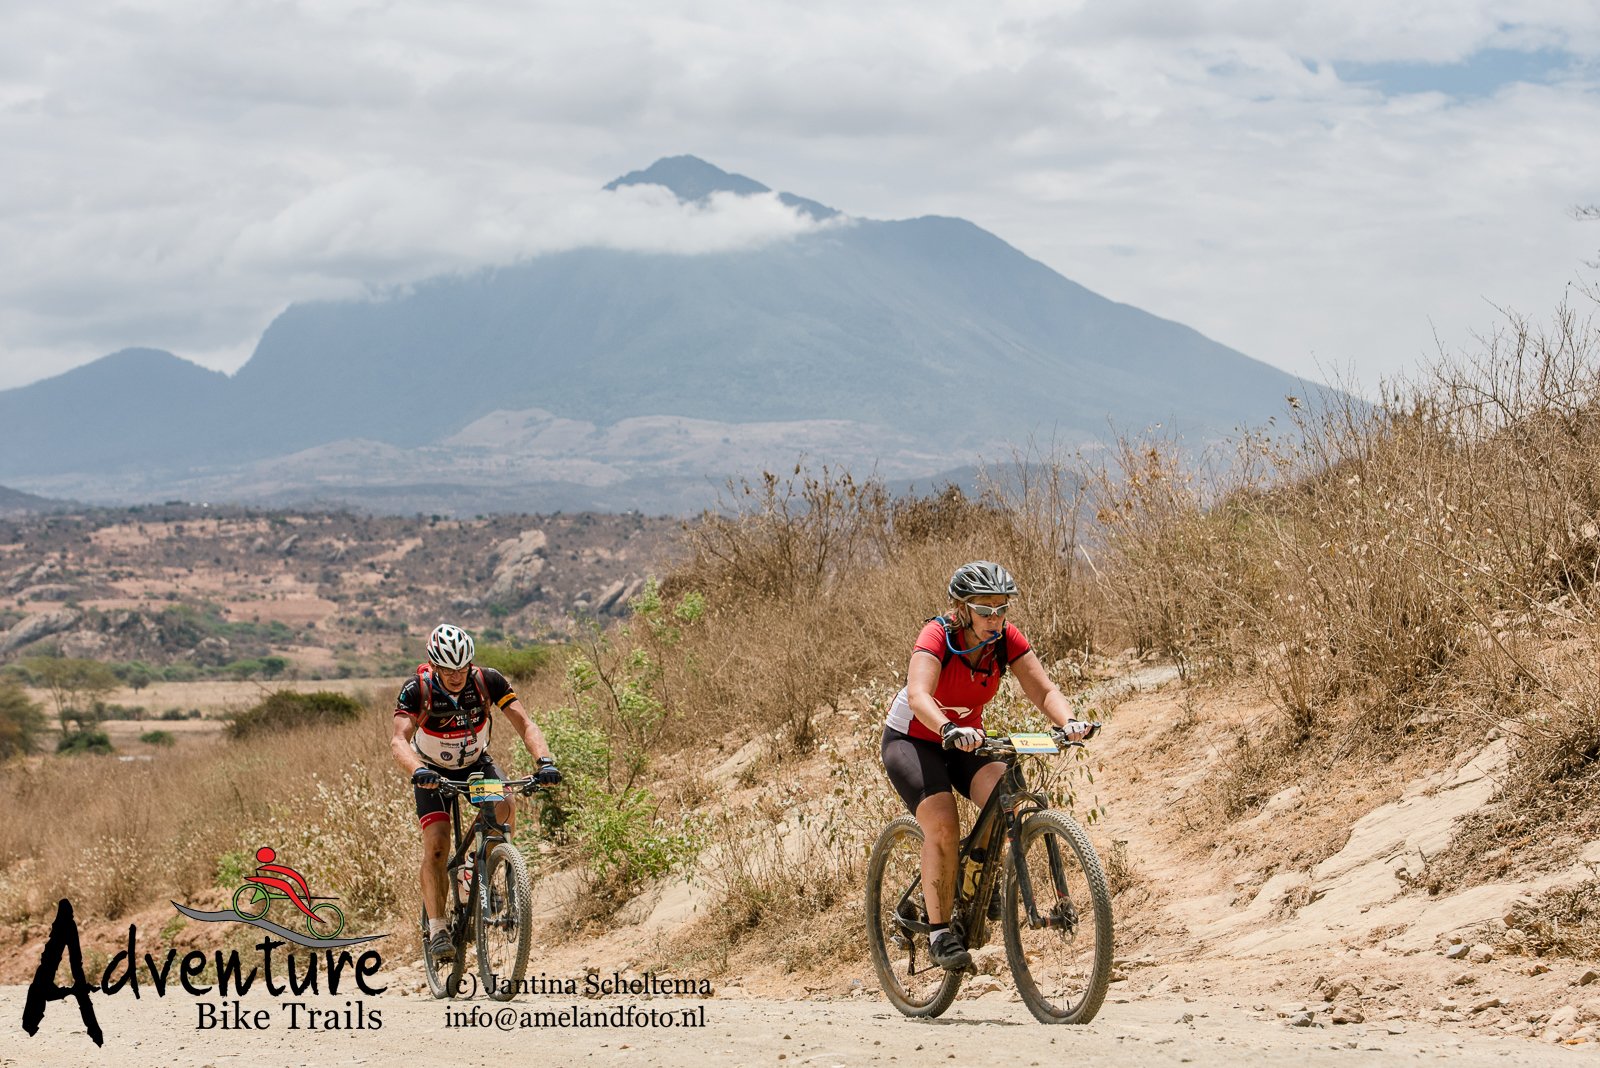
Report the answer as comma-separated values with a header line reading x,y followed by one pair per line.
x,y
482,834
1008,805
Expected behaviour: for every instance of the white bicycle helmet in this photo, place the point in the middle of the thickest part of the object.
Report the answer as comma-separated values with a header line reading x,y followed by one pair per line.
x,y
450,647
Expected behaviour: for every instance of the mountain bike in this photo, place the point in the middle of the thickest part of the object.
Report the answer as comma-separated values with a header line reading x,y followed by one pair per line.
x,y
488,893
1054,903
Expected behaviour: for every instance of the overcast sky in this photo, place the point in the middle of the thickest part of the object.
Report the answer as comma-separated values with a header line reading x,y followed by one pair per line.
x,y
1315,184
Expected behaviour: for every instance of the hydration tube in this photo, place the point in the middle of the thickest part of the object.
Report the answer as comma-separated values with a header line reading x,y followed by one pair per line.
x,y
950,645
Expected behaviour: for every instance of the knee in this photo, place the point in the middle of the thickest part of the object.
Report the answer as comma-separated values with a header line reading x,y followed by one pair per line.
x,y
939,826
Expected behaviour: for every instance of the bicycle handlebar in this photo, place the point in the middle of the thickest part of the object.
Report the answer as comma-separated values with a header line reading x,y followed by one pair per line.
x,y
524,786
1001,744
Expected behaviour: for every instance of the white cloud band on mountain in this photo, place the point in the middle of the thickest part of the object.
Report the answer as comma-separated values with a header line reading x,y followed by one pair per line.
x,y
405,225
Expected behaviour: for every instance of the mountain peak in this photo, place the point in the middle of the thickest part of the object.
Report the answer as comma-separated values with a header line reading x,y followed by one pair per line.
x,y
690,178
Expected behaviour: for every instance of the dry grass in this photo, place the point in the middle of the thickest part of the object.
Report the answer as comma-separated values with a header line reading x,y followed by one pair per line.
x,y
1562,922
1402,578
124,834
815,586
1547,806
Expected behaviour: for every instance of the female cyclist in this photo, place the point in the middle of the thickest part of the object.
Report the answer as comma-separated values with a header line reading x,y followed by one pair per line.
x,y
936,721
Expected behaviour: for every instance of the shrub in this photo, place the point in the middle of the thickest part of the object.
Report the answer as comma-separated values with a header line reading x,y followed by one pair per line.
x,y
164,739
1171,551
88,740
136,674
21,721
514,663
286,710
787,536
232,867
1563,921
626,840
348,831
604,740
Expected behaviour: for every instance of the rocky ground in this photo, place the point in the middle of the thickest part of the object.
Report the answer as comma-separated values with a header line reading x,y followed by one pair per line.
x,y
333,592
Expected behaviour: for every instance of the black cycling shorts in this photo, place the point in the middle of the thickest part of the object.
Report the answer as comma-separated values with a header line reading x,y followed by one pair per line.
x,y
919,769
431,806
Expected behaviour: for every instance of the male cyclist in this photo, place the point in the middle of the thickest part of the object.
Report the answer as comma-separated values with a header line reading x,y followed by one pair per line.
x,y
441,731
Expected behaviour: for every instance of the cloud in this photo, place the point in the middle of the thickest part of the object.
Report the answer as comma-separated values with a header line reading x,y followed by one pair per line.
x,y
382,225
177,174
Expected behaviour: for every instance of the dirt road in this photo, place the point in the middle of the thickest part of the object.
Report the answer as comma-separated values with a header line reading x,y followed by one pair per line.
x,y
860,1030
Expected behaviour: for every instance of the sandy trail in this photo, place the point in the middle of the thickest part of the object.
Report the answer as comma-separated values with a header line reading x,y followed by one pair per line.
x,y
852,1031
1210,983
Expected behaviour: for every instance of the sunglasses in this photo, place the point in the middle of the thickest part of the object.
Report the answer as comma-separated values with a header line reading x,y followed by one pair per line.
x,y
987,610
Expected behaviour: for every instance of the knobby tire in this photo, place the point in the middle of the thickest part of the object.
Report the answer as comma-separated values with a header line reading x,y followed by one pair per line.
x,y
894,863
1061,973
505,922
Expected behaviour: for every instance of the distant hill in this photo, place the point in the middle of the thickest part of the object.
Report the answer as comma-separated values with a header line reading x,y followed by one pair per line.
x,y
913,344
136,407
15,502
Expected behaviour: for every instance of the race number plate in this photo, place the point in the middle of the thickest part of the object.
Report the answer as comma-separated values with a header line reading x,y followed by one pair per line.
x,y
1034,743
482,791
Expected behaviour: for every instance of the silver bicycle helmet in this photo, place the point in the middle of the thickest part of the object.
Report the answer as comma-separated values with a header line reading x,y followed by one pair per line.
x,y
979,579
450,647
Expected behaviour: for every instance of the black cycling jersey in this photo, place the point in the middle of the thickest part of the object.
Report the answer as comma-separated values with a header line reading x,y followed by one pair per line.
x,y
453,729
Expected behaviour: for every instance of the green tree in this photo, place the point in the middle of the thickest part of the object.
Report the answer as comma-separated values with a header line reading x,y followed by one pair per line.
x,y
137,674
21,720
89,740
74,684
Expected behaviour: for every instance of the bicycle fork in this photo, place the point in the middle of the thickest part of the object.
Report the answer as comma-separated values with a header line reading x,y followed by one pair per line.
x,y
1061,915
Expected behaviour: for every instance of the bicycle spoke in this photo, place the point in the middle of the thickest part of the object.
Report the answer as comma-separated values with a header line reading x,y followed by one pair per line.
x,y
505,920
913,983
1062,966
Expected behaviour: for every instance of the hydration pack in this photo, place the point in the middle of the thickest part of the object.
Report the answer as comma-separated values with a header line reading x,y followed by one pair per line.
x,y
425,688
1001,659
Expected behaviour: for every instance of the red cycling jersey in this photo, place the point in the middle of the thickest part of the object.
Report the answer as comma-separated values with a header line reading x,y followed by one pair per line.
x,y
961,691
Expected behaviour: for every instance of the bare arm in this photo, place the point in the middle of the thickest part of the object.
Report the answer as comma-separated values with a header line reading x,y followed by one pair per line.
x,y
1040,690
526,729
400,742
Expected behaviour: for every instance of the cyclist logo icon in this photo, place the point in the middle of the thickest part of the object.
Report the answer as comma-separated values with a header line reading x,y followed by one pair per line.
x,y
277,882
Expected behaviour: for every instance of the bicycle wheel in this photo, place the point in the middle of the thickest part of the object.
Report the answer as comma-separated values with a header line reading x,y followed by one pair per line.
x,y
325,921
444,977
1062,966
256,901
505,922
911,981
